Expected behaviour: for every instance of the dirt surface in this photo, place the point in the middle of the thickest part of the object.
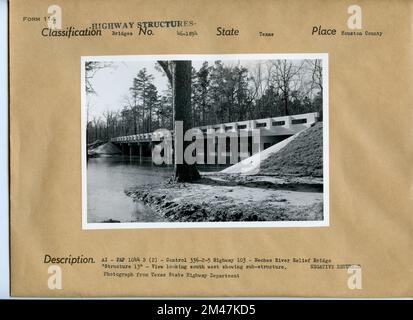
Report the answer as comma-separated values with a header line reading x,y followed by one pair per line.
x,y
292,183
302,157
95,144
106,148
216,200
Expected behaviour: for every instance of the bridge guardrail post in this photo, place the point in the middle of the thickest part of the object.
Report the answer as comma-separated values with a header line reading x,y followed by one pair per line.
x,y
311,118
288,122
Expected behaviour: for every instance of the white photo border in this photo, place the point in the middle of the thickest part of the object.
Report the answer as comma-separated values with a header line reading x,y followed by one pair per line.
x,y
4,155
233,224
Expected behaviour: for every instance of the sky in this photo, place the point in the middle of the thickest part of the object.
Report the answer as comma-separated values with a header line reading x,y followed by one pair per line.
x,y
112,84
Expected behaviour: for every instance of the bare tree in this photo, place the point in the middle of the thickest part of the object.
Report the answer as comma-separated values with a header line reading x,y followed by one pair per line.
x,y
131,104
91,67
110,117
286,75
316,74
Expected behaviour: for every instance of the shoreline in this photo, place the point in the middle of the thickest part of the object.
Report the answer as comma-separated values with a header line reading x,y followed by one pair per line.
x,y
221,197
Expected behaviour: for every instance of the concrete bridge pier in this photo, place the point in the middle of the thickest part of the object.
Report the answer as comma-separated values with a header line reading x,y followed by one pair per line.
x,y
151,146
143,149
133,149
125,149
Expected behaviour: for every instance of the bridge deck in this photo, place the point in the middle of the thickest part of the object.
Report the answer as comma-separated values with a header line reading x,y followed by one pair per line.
x,y
278,126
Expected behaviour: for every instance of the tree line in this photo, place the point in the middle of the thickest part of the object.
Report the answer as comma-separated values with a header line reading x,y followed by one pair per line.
x,y
220,93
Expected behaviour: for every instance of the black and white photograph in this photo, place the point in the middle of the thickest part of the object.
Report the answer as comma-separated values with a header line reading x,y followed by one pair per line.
x,y
204,141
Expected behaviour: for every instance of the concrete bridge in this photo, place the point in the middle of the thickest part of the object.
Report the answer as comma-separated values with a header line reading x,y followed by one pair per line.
x,y
271,130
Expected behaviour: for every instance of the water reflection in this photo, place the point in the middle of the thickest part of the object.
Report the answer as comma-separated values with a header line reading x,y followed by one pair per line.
x,y
108,178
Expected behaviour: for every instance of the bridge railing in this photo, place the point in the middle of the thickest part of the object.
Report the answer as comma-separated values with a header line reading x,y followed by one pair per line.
x,y
265,124
287,124
140,137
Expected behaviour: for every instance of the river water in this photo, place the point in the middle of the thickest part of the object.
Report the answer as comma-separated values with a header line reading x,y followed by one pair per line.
x,y
109,177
